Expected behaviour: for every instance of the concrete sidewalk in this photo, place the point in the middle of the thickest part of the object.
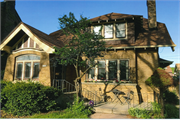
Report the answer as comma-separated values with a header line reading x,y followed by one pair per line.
x,y
112,108
108,116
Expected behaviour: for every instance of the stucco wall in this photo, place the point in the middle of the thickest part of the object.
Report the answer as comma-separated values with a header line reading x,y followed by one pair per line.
x,y
44,74
120,54
147,62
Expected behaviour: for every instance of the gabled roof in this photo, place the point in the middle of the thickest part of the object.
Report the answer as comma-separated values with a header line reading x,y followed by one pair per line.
x,y
145,38
45,41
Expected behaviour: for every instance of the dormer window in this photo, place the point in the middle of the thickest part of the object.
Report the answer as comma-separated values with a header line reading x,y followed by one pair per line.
x,y
111,31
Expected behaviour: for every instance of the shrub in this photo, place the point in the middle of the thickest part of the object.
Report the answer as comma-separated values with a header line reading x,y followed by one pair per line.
x,y
77,110
171,111
140,113
28,98
170,97
3,97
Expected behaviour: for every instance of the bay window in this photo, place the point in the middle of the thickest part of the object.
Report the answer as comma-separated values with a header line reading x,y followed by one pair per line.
x,y
110,70
27,67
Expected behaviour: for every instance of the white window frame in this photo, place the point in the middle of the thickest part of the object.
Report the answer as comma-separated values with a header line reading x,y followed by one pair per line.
x,y
114,31
23,68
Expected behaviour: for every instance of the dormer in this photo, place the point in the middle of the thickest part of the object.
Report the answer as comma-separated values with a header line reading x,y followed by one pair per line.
x,y
117,28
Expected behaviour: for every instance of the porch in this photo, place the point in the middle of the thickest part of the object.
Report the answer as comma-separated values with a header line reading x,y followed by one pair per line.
x,y
116,104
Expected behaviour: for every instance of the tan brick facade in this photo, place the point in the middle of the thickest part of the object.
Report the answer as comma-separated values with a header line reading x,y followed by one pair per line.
x,y
142,63
44,74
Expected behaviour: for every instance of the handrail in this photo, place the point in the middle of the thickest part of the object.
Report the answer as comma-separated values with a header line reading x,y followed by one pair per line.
x,y
64,85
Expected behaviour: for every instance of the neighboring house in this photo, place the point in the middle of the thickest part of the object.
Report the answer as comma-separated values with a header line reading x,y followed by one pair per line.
x,y
177,69
132,58
169,70
9,20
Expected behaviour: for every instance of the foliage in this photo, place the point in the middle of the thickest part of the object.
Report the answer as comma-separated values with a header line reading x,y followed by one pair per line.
x,y
82,44
77,110
171,111
160,79
170,97
3,97
28,98
140,113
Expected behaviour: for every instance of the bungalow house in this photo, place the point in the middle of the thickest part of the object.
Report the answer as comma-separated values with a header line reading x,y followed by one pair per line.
x,y
132,57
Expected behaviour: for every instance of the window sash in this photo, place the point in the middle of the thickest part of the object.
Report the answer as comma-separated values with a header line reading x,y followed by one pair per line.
x,y
120,30
108,31
97,30
124,68
112,74
19,70
36,70
27,70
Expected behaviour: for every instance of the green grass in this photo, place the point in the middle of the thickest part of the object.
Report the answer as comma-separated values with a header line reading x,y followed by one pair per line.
x,y
60,114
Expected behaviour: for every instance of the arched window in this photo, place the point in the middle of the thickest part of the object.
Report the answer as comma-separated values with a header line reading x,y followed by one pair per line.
x,y
27,67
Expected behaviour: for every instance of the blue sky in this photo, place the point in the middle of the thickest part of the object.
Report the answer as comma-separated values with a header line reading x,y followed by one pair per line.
x,y
43,15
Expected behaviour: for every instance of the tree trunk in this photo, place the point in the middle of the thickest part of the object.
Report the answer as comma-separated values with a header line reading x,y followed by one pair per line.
x,y
77,89
162,102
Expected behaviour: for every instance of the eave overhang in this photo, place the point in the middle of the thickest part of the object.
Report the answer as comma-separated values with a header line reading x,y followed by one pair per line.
x,y
21,26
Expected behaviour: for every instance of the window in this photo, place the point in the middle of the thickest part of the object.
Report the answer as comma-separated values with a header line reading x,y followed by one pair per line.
x,y
110,70
27,67
111,31
120,30
113,70
101,70
36,70
108,31
124,70
19,70
97,30
27,70
91,72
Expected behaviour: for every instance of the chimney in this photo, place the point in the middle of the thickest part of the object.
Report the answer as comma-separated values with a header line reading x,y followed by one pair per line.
x,y
10,3
151,5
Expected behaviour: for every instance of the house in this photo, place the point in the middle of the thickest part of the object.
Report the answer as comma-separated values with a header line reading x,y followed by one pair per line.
x,y
177,69
169,70
9,20
132,57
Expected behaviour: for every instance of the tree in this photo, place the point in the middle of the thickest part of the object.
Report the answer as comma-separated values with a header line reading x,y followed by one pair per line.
x,y
84,45
161,80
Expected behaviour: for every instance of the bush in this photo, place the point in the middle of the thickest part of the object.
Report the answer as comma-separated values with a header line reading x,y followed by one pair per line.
x,y
140,113
28,98
170,97
3,97
171,111
77,110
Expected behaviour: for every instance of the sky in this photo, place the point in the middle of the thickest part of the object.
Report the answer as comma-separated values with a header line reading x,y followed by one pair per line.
x,y
43,15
